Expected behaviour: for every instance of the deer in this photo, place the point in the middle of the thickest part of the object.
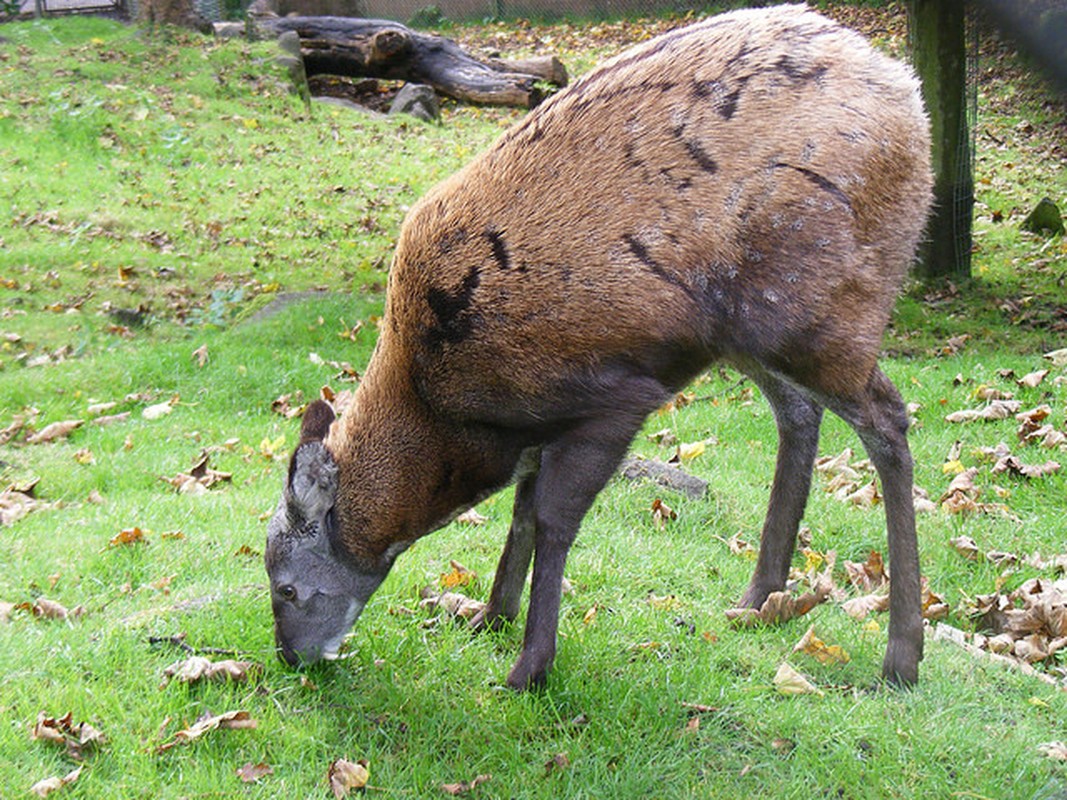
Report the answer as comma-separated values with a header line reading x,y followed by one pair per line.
x,y
750,190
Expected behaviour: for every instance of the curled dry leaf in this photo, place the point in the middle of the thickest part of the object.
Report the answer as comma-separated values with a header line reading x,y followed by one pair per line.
x,y
128,536
200,477
79,739
965,546
459,576
812,645
1033,379
1054,750
662,514
779,607
344,776
869,575
665,603
231,720
49,785
471,517
251,773
159,410
790,682
55,431
43,608
200,356
1014,466
1058,357
198,668
995,410
452,603
557,763
859,608
5,611
463,787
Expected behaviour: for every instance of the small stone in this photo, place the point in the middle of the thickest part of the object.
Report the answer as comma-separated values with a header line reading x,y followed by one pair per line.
x,y
417,100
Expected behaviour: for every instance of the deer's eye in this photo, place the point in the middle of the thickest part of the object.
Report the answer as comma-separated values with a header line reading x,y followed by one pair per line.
x,y
287,592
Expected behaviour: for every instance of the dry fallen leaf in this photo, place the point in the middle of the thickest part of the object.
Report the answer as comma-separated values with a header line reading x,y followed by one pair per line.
x,y
251,773
1054,750
1014,466
1058,357
1033,379
345,775
558,762
471,517
459,576
198,668
49,785
996,410
790,682
859,608
666,603
965,546
464,787
779,607
127,536
452,603
231,720
43,608
79,739
815,647
662,514
200,356
55,431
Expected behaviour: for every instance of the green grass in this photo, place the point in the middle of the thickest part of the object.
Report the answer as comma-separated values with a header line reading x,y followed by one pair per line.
x,y
178,174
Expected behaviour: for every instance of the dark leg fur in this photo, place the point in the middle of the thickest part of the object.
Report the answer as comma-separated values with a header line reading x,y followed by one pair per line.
x,y
881,421
798,420
574,469
506,595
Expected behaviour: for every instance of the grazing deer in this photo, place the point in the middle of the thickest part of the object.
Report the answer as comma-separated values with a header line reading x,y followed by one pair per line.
x,y
750,188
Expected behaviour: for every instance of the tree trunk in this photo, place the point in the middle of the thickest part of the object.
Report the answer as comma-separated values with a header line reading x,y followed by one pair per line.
x,y
939,51
369,48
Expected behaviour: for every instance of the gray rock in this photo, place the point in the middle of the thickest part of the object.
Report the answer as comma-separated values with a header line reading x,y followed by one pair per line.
x,y
417,100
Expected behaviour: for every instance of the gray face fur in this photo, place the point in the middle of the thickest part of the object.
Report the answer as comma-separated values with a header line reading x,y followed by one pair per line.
x,y
316,595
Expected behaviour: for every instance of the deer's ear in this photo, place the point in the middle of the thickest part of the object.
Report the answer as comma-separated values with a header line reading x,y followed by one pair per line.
x,y
318,417
312,481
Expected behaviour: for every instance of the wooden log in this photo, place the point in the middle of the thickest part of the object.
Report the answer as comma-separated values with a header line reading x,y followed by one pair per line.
x,y
370,48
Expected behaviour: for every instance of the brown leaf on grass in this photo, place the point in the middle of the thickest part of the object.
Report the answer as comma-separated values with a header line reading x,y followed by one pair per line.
x,y
43,608
662,514
859,608
289,405
1033,379
49,785
231,720
1030,421
739,547
55,431
1054,750
108,419
995,410
16,501
459,576
472,517
463,787
1014,466
251,773
779,607
5,611
452,603
344,776
557,763
869,575
867,496
79,739
18,424
198,668
200,356
199,478
965,546
812,645
1057,357
128,536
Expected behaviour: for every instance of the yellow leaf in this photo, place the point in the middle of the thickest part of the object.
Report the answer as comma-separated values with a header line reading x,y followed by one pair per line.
x,y
666,603
790,682
589,616
815,647
344,776
952,468
689,451
459,576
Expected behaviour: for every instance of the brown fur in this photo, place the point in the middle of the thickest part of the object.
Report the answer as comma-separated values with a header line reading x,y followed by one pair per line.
x,y
750,188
